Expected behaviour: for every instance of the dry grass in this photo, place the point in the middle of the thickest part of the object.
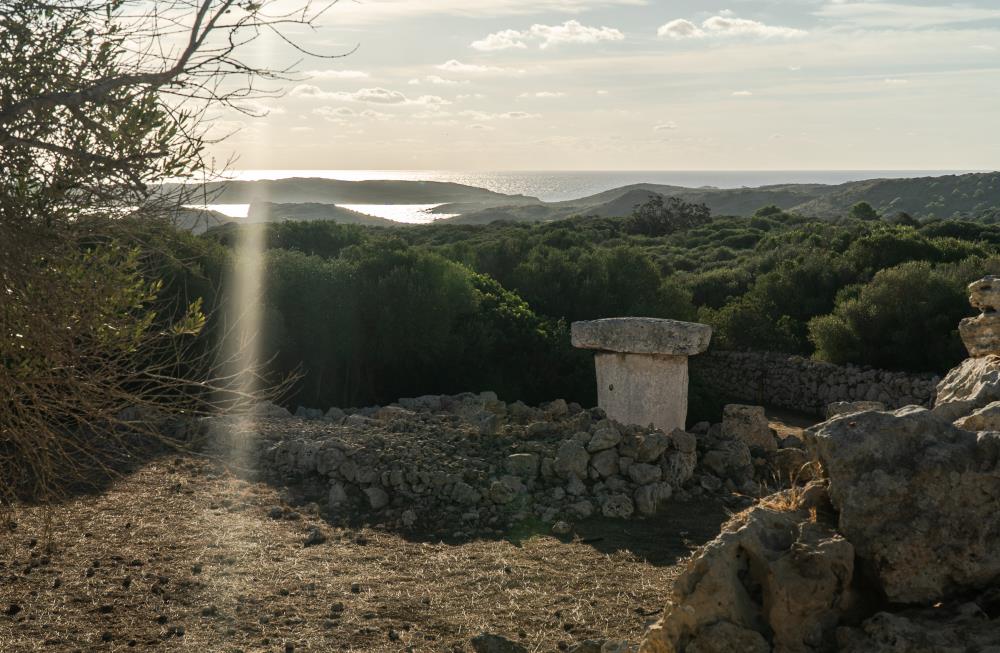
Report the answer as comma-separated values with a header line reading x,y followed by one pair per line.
x,y
181,548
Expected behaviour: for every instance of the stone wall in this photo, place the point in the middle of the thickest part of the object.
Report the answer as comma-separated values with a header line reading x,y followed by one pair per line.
x,y
464,464
802,384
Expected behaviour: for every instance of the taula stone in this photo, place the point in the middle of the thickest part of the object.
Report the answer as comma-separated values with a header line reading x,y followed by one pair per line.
x,y
642,335
981,334
642,369
917,497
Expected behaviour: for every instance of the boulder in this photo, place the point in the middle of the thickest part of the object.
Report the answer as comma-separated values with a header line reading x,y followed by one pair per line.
x,y
770,576
649,498
847,407
731,459
605,463
377,497
606,436
917,497
970,386
651,446
748,424
571,460
958,629
618,506
986,418
981,334
490,643
643,473
678,467
524,465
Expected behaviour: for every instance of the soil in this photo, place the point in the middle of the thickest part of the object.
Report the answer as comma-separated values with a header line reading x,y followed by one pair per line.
x,y
183,556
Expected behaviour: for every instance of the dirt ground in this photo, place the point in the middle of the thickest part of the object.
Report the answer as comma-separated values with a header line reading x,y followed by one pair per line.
x,y
181,556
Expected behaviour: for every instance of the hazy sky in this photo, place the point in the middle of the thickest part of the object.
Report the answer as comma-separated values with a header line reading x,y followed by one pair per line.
x,y
638,84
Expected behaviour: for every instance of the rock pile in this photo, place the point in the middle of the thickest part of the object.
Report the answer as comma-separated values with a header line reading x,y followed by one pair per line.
x,y
468,463
893,549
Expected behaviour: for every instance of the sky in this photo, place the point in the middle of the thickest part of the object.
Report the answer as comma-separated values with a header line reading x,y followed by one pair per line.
x,y
632,85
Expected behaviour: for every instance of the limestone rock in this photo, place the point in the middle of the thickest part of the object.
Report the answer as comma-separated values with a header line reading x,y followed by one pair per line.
x,y
847,407
935,630
605,463
981,334
771,573
377,497
490,643
651,446
918,499
571,460
581,509
606,436
642,335
643,473
968,387
524,465
618,506
684,441
748,424
730,459
678,467
984,419
649,498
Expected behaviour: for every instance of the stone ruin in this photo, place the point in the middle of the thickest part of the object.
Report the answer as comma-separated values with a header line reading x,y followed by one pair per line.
x,y
642,367
895,547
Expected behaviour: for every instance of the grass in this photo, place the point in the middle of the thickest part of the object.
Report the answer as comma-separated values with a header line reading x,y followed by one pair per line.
x,y
181,556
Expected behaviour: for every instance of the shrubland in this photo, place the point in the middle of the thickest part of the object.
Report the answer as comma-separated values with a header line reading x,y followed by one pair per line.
x,y
370,314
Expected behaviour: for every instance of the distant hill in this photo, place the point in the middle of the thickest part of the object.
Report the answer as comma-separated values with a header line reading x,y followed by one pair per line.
x,y
335,191
310,211
968,196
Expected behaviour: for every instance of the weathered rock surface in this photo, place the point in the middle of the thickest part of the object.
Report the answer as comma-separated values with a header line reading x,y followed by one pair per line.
x,y
848,407
959,629
770,578
968,387
981,334
490,643
642,335
986,418
917,497
749,425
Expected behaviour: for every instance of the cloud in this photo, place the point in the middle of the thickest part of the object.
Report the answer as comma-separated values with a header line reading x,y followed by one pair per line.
x,y
904,16
259,109
601,92
504,40
572,31
896,82
336,74
376,95
470,96
483,116
742,93
456,66
984,48
665,127
544,94
437,80
334,114
726,25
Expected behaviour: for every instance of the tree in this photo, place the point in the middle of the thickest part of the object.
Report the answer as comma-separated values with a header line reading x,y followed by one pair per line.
x,y
93,116
864,211
658,216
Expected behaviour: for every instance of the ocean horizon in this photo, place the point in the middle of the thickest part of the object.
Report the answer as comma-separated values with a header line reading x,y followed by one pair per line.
x,y
561,185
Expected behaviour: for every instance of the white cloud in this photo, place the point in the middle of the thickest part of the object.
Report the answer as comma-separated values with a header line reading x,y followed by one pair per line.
x,y
504,40
480,126
602,92
666,126
904,16
437,80
375,115
469,96
334,114
456,66
482,116
742,93
724,25
257,108
984,48
544,94
572,31
376,95
336,74
896,82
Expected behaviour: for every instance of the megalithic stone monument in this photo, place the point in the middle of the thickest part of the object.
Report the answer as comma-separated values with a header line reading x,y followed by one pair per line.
x,y
642,366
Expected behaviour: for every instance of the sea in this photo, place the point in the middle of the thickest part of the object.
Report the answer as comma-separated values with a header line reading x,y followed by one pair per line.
x,y
559,185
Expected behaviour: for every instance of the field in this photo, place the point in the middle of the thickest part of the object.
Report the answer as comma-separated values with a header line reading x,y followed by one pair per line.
x,y
182,556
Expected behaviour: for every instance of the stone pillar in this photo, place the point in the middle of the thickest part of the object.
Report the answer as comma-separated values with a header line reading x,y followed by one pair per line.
x,y
642,370
981,334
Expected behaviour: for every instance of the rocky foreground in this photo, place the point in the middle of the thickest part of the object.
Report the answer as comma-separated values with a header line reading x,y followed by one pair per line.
x,y
896,547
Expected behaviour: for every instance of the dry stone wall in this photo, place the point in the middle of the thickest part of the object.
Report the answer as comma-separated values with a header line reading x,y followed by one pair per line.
x,y
466,464
802,384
